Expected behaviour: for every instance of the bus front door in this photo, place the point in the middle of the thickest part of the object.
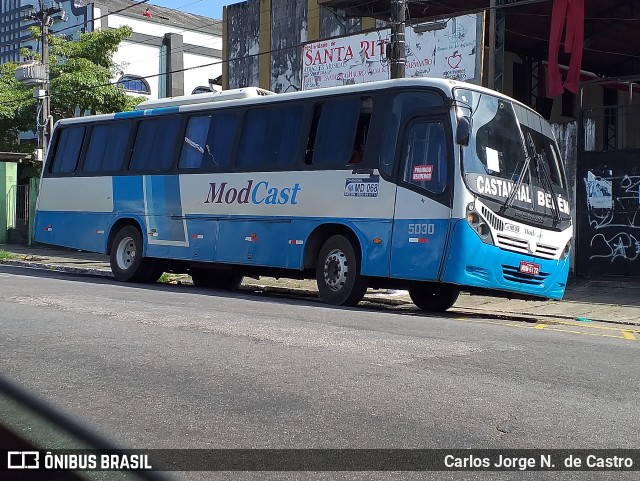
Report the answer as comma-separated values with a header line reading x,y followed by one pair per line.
x,y
422,208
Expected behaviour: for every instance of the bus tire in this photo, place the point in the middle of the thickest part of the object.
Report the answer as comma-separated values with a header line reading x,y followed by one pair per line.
x,y
433,297
215,279
338,273
127,262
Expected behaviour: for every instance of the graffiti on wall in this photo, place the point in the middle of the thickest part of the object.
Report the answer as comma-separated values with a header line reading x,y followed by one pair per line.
x,y
335,23
288,33
243,23
610,230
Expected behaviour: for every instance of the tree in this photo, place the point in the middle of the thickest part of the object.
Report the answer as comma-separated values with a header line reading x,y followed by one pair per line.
x,y
17,108
81,76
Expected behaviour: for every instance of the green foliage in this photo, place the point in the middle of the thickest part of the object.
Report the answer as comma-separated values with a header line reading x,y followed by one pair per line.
x,y
4,255
82,72
17,108
81,75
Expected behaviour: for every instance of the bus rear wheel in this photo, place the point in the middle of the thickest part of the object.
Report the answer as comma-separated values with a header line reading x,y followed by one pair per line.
x,y
433,297
127,262
213,279
338,273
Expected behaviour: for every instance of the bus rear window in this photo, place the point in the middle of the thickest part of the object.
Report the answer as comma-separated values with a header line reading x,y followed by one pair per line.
x,y
68,149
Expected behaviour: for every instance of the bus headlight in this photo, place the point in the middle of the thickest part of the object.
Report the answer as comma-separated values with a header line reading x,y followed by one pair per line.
x,y
478,224
566,251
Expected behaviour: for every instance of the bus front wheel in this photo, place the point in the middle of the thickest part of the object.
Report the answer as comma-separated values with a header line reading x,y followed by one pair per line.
x,y
213,279
127,262
338,273
433,297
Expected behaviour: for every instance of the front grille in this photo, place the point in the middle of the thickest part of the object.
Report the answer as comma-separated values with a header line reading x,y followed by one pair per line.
x,y
492,219
546,251
513,274
513,244
522,246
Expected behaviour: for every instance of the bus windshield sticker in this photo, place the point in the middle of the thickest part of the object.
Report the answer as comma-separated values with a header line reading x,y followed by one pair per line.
x,y
422,173
493,160
367,187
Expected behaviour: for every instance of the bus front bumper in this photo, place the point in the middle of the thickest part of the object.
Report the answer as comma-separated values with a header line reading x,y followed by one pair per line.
x,y
471,262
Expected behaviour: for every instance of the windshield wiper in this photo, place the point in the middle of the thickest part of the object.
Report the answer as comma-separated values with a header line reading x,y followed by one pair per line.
x,y
546,180
516,186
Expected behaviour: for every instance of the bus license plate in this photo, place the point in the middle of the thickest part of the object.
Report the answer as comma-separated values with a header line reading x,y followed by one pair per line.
x,y
529,268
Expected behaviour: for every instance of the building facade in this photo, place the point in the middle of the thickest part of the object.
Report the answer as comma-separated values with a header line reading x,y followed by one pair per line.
x,y
170,52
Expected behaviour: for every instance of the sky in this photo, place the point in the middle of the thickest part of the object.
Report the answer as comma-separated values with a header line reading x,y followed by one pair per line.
x,y
207,8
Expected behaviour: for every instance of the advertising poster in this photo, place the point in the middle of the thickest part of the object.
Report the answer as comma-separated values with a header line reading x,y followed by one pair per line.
x,y
449,53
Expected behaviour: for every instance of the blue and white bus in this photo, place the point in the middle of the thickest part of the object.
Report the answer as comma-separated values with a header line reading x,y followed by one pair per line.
x,y
428,185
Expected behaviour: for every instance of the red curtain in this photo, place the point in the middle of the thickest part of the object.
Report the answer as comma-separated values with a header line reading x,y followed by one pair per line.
x,y
571,13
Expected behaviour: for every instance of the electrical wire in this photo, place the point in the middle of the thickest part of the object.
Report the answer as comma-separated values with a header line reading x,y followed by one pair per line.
x,y
271,51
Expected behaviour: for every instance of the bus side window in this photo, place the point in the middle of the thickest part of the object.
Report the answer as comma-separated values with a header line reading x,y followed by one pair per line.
x,y
270,137
107,145
426,157
195,147
362,130
155,144
67,153
333,133
207,142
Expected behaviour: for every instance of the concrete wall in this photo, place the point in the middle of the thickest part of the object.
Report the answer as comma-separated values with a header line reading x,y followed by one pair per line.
x,y
334,24
8,179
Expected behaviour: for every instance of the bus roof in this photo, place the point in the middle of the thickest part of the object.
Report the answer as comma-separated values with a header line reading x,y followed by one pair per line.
x,y
253,95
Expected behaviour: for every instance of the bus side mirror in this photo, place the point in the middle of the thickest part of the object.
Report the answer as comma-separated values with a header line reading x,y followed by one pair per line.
x,y
463,131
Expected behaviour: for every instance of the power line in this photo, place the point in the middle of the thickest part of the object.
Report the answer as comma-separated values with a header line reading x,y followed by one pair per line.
x,y
271,51
196,28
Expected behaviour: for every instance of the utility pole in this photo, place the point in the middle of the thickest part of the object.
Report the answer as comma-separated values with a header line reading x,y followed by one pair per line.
x,y
45,17
496,46
397,57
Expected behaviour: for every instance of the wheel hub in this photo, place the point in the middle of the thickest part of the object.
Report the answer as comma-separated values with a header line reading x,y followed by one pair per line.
x,y
335,269
126,253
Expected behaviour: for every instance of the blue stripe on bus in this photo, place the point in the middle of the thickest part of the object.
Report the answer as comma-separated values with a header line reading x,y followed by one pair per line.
x,y
128,194
267,241
164,207
128,115
162,111
270,241
79,230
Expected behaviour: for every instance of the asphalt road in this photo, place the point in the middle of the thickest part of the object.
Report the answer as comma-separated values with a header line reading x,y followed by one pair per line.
x,y
180,367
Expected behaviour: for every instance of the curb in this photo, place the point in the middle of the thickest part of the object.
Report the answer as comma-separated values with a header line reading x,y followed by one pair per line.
x,y
509,315
57,267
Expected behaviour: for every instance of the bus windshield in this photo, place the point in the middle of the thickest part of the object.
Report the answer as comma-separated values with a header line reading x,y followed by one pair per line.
x,y
511,157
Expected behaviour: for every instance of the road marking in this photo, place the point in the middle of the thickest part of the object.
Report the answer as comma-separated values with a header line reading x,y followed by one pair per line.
x,y
560,327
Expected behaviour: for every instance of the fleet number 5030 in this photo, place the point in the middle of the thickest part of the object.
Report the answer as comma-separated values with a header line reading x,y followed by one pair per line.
x,y
422,228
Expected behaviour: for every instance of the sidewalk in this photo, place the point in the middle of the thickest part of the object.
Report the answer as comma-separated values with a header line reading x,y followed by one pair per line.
x,y
616,301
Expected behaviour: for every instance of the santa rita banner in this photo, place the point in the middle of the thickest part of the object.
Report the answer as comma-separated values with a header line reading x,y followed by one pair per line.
x,y
449,53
